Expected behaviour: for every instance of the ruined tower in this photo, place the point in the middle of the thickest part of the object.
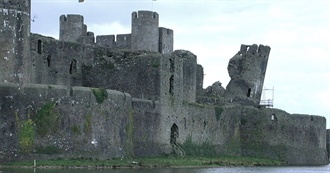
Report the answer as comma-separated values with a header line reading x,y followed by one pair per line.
x,y
247,70
14,40
72,27
145,31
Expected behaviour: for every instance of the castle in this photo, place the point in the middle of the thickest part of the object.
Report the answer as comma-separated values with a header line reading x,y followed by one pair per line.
x,y
134,96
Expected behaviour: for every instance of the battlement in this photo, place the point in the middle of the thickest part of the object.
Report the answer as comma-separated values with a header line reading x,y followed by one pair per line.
x,y
145,14
72,27
74,18
122,41
252,49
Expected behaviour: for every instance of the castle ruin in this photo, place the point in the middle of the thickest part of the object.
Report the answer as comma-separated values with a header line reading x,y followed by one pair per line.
x,y
134,96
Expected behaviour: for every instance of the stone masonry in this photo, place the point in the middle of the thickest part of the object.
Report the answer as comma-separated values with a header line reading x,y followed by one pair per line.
x,y
132,95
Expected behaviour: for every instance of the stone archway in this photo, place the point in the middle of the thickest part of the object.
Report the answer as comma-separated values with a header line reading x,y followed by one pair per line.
x,y
174,133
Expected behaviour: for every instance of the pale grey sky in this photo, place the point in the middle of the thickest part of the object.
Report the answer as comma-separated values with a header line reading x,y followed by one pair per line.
x,y
298,32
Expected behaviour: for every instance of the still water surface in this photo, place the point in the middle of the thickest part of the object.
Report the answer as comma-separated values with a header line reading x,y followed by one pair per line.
x,y
318,169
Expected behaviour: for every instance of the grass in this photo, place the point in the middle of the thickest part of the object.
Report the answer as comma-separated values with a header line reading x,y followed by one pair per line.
x,y
165,161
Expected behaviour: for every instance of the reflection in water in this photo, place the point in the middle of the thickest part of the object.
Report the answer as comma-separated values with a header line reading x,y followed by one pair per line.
x,y
319,169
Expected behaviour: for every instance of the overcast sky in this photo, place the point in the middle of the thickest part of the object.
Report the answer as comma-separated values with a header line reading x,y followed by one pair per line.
x,y
298,32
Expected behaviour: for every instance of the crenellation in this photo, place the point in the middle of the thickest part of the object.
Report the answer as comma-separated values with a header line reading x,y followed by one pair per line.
x,y
72,27
123,41
107,41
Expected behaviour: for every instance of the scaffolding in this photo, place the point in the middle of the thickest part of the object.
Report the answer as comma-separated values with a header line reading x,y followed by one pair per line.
x,y
267,98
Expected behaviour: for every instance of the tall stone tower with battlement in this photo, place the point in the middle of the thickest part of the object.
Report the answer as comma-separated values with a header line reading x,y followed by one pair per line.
x,y
14,40
247,70
73,29
145,31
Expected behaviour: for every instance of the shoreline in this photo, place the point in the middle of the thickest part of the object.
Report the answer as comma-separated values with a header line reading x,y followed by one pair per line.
x,y
149,162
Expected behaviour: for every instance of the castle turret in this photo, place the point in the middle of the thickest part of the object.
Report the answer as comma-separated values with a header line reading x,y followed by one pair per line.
x,y
72,27
14,40
247,71
165,40
145,32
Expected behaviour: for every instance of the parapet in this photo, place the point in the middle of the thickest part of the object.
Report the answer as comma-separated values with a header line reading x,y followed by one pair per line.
x,y
72,27
72,18
252,49
145,14
109,41
105,41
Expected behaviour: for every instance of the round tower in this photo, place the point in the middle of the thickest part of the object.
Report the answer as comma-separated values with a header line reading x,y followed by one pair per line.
x,y
145,32
72,27
14,40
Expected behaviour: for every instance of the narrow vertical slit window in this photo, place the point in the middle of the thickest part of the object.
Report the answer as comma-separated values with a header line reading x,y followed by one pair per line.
x,y
48,60
171,85
73,66
39,47
249,92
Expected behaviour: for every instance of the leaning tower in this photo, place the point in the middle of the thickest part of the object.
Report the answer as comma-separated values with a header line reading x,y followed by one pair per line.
x,y
14,40
145,32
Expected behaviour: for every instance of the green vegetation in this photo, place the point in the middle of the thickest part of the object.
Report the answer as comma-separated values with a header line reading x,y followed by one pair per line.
x,y
129,132
155,64
218,112
165,161
47,150
26,134
100,94
88,124
75,129
204,150
47,119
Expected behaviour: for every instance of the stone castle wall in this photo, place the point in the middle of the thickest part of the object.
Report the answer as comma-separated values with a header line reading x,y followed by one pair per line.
x,y
49,107
70,121
14,40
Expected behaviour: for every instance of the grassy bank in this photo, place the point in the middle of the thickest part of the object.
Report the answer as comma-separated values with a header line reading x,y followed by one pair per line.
x,y
169,161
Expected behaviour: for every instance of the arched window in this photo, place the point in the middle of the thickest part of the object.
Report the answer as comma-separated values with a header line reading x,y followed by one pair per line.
x,y
39,47
48,60
174,133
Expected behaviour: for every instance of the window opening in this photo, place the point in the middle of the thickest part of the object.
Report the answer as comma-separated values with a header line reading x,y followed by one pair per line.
x,y
249,92
48,60
171,85
171,64
73,66
174,133
39,46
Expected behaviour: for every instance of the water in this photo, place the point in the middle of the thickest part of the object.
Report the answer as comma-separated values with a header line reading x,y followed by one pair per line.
x,y
289,169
